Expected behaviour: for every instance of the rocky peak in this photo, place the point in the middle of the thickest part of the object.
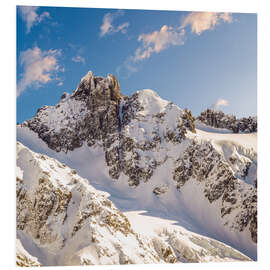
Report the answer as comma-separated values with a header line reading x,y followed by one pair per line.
x,y
86,84
219,119
103,89
97,113
114,87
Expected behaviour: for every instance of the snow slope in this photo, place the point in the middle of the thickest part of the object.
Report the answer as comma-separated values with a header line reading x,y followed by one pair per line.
x,y
247,140
63,220
25,259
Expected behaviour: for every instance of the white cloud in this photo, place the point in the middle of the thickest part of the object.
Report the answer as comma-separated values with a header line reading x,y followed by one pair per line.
x,y
220,103
171,36
60,84
168,36
30,16
78,59
107,26
158,41
39,67
202,21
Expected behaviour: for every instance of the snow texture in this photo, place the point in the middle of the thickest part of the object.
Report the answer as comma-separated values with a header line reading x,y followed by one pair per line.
x,y
63,220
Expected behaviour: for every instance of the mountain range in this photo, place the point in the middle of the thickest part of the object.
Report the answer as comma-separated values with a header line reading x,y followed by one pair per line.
x,y
104,178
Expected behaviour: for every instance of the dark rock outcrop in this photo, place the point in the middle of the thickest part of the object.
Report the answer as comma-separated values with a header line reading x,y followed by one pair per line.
x,y
204,164
96,101
218,119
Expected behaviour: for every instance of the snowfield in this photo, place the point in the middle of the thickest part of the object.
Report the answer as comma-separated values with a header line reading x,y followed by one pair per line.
x,y
242,139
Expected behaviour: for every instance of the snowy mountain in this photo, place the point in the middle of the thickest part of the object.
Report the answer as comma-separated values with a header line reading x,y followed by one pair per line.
x,y
147,155
63,220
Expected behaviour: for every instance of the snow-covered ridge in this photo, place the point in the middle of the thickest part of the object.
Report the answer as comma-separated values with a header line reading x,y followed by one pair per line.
x,y
63,220
143,151
151,102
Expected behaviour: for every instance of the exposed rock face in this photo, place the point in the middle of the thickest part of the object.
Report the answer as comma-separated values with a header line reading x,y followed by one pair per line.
x,y
90,114
247,125
71,223
218,119
204,164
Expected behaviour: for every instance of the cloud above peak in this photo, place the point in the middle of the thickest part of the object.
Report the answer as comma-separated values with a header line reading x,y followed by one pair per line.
x,y
168,36
220,103
202,21
39,68
107,26
159,40
30,16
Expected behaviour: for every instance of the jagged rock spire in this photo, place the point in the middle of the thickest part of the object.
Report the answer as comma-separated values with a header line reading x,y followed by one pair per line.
x,y
102,88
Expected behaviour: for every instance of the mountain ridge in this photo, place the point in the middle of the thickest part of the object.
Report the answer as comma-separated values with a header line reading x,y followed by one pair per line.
x,y
149,151
218,119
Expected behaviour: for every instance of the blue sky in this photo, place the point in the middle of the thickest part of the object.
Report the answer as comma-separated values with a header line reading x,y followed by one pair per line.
x,y
193,59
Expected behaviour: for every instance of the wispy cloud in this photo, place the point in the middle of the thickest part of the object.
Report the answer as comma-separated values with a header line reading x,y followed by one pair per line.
x,y
157,41
30,16
39,68
107,26
168,36
220,103
78,59
127,67
78,51
202,21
